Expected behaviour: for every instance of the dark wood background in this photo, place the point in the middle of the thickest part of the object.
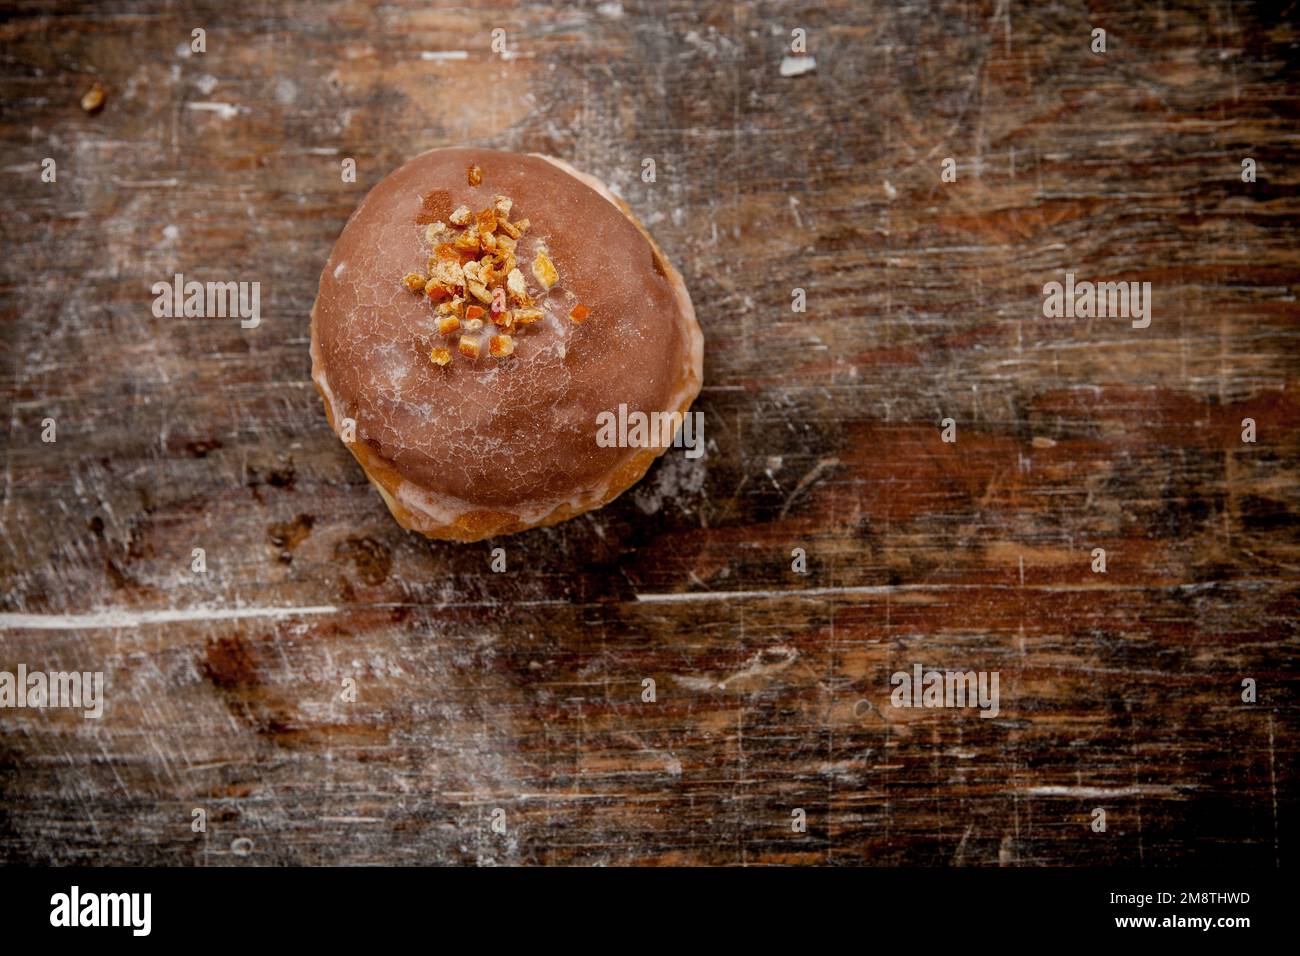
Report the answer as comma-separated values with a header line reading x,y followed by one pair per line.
x,y
522,690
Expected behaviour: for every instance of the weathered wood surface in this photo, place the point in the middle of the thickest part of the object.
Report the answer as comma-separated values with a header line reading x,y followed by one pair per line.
x,y
522,690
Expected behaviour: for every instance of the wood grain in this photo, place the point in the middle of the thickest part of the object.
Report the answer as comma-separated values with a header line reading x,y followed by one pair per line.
x,y
523,691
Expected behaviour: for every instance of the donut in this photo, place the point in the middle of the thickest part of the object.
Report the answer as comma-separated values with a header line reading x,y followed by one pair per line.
x,y
480,315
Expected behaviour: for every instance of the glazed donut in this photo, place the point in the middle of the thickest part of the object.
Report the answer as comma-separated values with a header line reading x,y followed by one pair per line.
x,y
479,313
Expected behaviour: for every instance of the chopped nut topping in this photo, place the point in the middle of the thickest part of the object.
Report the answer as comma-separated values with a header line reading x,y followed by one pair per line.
x,y
452,306
544,271
473,269
579,314
468,240
447,273
475,176
93,98
516,287
474,283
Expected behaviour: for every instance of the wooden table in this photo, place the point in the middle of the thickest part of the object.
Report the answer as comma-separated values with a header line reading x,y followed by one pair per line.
x,y
523,691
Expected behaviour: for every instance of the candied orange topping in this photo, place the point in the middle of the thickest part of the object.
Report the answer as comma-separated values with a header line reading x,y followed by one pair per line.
x,y
475,282
544,271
